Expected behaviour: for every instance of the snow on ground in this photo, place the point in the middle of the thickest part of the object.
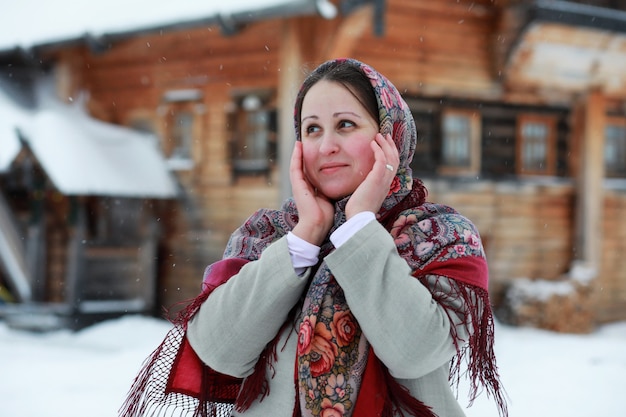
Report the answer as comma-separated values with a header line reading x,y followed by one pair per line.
x,y
87,373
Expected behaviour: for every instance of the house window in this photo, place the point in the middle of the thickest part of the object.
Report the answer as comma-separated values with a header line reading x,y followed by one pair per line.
x,y
253,136
615,148
460,142
180,133
181,110
424,162
536,145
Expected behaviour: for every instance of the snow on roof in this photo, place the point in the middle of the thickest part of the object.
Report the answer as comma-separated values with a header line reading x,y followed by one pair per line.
x,y
11,115
27,23
84,156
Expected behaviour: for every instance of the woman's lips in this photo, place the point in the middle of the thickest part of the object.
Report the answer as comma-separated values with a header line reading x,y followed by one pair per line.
x,y
331,168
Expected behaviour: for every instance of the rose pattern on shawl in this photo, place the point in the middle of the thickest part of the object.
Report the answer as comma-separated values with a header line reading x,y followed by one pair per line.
x,y
322,351
328,356
330,409
305,334
344,327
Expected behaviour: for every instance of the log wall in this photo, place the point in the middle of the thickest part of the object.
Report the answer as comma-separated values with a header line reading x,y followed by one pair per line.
x,y
526,228
430,50
609,294
434,47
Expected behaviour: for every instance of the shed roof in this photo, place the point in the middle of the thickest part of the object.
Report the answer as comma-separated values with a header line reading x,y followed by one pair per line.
x,y
84,156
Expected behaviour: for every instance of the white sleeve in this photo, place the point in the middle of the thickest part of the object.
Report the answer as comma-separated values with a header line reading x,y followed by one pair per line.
x,y
350,227
303,254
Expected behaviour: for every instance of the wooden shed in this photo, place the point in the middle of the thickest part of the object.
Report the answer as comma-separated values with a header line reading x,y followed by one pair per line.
x,y
79,228
520,108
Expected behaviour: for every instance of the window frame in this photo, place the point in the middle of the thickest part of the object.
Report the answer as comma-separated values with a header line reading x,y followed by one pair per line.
x,y
551,152
173,148
620,122
474,146
248,156
179,156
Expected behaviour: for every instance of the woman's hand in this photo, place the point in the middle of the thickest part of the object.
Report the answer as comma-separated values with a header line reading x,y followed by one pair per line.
x,y
369,196
316,213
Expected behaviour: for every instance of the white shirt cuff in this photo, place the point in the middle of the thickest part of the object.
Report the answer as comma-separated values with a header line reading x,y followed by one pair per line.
x,y
350,227
303,254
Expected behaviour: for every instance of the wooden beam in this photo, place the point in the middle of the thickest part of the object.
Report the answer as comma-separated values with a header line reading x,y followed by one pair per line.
x,y
590,198
350,32
291,58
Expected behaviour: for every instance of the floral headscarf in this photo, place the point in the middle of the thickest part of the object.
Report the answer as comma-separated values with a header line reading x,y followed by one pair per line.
x,y
394,117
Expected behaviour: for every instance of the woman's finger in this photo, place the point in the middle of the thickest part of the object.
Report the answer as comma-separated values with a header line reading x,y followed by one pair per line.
x,y
296,159
390,151
384,155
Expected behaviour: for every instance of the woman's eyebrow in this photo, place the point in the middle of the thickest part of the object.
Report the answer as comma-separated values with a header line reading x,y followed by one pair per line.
x,y
345,112
337,114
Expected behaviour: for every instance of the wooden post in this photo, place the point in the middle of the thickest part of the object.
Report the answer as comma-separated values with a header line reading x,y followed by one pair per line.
x,y
349,32
590,201
289,81
75,274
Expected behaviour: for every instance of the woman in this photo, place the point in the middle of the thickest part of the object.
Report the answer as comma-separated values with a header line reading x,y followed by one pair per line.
x,y
357,298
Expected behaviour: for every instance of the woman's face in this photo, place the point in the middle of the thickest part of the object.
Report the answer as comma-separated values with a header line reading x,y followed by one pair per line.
x,y
336,132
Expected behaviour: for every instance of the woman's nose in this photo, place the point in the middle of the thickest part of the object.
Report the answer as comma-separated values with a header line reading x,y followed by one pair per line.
x,y
329,144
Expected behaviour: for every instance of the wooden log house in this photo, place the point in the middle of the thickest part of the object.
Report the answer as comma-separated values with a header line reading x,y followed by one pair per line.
x,y
520,108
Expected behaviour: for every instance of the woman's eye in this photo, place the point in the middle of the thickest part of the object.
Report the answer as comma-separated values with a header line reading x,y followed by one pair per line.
x,y
311,129
345,124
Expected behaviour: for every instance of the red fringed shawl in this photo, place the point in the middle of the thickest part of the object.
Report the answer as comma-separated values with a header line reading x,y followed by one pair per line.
x,y
173,377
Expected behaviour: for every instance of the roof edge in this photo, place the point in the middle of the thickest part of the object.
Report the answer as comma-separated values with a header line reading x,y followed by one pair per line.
x,y
230,23
578,14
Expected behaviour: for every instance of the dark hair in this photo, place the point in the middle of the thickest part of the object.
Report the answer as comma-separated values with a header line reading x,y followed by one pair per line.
x,y
347,74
